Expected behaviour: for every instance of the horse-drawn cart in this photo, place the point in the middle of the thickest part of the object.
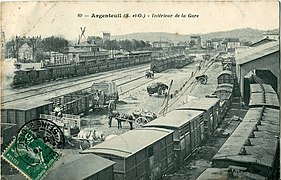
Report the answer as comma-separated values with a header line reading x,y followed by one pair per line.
x,y
159,88
138,118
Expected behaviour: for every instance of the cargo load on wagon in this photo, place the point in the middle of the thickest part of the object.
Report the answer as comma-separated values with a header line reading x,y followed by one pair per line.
x,y
104,92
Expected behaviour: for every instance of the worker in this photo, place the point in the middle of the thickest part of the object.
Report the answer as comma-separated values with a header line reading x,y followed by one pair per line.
x,y
110,112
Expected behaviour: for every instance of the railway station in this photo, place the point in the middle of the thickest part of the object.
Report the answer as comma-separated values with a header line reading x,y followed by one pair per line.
x,y
200,106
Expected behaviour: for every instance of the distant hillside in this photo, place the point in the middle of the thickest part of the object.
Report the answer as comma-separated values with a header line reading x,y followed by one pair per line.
x,y
245,34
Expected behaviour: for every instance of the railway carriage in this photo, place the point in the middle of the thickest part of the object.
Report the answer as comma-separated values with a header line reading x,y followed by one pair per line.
x,y
89,63
188,127
60,72
90,167
254,145
211,112
225,77
263,95
157,65
102,65
92,67
257,88
23,112
111,64
139,154
42,75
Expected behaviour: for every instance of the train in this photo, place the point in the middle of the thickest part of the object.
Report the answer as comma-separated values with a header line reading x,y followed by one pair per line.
x,y
159,64
31,76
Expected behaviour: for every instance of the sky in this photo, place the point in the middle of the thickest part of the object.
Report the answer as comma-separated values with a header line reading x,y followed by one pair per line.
x,y
61,18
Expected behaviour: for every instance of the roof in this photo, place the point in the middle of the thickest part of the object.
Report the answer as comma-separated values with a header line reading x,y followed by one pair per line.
x,y
261,41
78,166
256,88
222,173
25,105
270,99
270,115
202,104
98,53
140,52
230,40
225,72
225,85
224,88
130,142
257,52
264,145
174,119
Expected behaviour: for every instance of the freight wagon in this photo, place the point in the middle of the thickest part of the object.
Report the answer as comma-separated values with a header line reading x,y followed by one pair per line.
x,y
254,145
226,77
139,154
263,95
16,115
211,116
188,127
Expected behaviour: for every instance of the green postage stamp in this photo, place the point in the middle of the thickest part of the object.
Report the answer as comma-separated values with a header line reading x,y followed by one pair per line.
x,y
30,155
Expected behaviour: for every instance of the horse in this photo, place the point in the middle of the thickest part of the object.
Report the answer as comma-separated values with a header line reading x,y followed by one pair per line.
x,y
91,135
121,116
149,74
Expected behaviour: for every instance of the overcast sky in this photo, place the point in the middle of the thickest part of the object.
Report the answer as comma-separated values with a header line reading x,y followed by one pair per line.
x,y
60,18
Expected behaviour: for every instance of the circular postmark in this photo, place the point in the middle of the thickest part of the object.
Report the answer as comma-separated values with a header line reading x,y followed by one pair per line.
x,y
46,130
33,138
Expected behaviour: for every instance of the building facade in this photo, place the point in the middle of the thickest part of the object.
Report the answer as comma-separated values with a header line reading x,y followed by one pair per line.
x,y
195,41
25,53
106,36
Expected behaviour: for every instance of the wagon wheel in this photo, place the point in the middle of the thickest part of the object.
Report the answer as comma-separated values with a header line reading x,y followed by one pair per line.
x,y
140,121
85,144
160,91
202,80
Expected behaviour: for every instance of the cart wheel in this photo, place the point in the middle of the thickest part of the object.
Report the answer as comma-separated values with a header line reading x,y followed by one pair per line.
x,y
159,91
85,144
140,122
203,80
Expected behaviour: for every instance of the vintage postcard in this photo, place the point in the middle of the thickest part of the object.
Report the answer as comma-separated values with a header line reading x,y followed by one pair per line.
x,y
140,90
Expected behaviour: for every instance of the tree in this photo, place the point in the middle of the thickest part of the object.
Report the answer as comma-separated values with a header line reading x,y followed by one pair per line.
x,y
126,44
57,44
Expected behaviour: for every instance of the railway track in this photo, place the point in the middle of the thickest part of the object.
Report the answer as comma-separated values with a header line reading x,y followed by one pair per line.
x,y
9,91
42,90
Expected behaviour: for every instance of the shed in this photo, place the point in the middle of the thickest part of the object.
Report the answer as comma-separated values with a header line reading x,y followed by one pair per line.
x,y
140,153
82,166
265,59
211,108
188,126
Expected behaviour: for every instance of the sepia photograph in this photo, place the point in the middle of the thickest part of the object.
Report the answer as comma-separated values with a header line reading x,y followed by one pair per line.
x,y
140,90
